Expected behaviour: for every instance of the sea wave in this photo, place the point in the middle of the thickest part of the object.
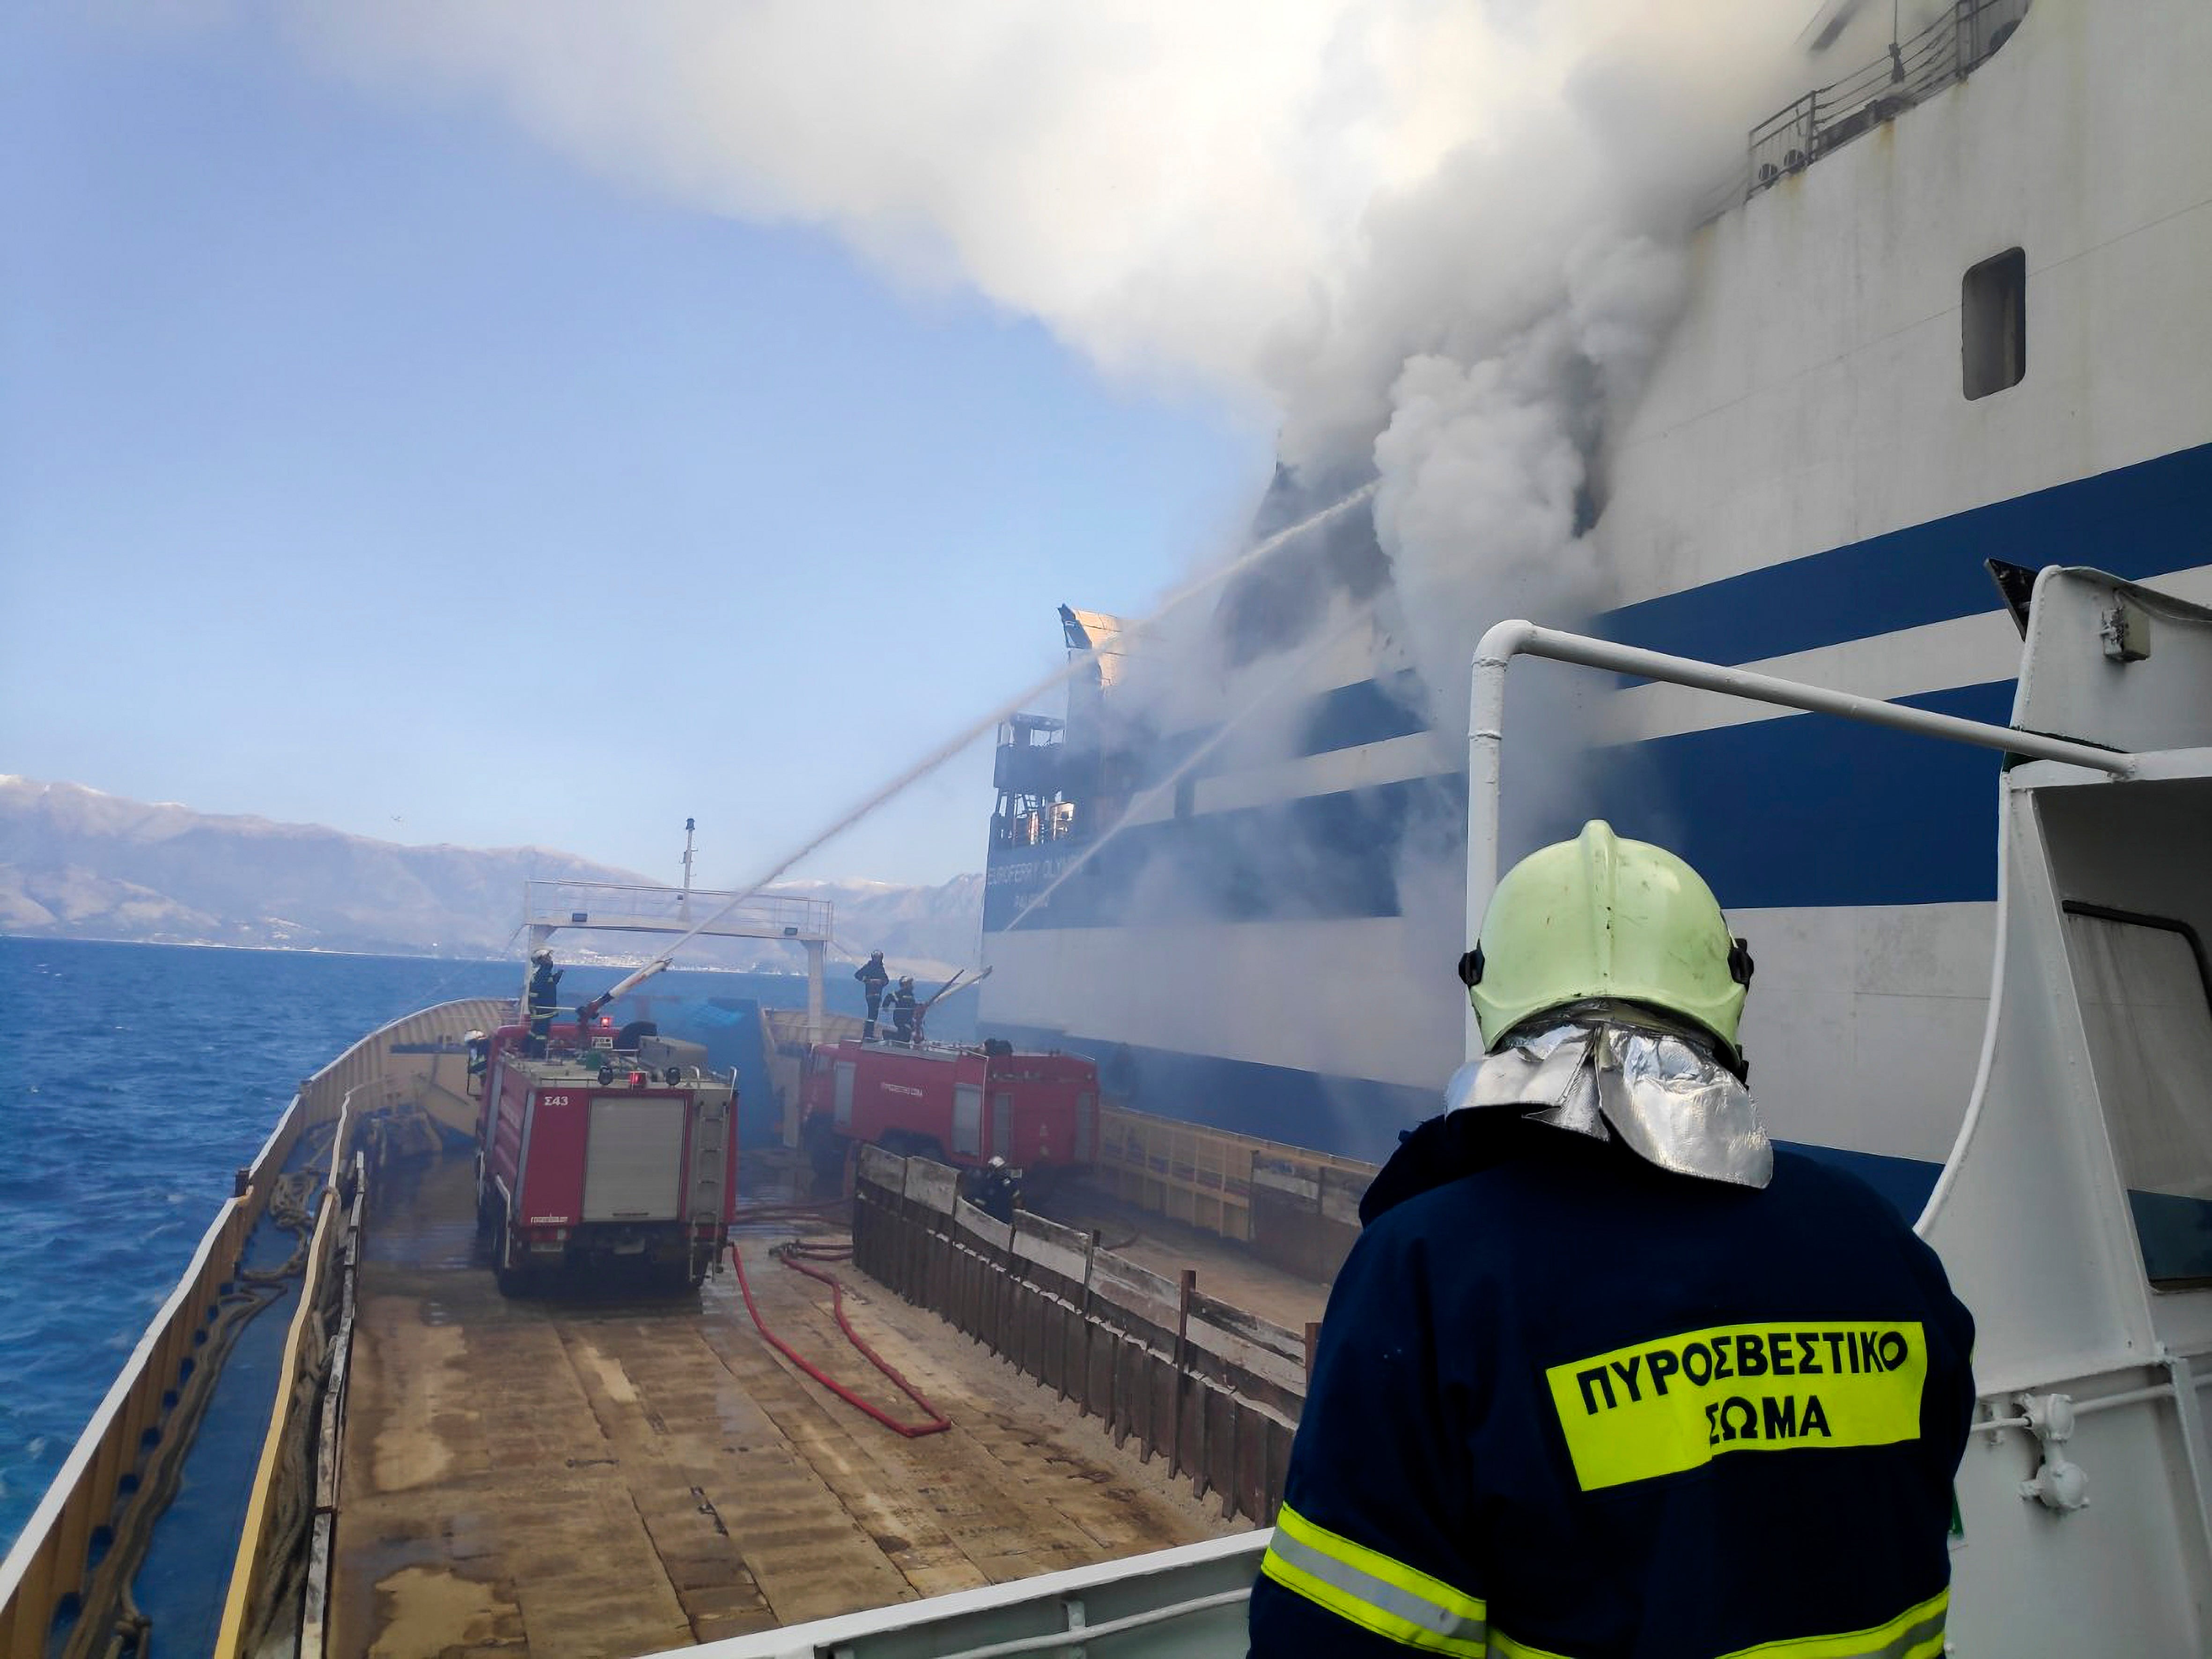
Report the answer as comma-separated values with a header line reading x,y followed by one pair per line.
x,y
147,1074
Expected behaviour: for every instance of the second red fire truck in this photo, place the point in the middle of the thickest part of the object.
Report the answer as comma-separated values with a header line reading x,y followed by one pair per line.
x,y
961,1106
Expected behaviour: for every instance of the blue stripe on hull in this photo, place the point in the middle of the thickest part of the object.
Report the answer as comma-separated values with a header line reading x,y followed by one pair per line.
x,y
2135,521
1364,711
1349,1117
1803,812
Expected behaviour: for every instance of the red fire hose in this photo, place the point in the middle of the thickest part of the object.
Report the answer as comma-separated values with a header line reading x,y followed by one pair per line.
x,y
938,1421
803,1249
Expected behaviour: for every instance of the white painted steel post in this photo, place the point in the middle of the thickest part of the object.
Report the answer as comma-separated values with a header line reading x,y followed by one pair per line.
x,y
1486,738
814,949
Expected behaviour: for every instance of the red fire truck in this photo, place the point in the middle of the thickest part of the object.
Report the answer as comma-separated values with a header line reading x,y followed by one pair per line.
x,y
962,1106
591,1156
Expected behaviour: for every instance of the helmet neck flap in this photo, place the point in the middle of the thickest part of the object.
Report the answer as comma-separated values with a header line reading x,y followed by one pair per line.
x,y
1610,1071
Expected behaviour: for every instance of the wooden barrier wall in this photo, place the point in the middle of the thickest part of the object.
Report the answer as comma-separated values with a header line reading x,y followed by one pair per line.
x,y
1297,1208
48,1567
1215,1390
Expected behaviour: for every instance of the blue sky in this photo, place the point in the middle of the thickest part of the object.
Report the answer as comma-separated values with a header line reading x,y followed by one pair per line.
x,y
363,463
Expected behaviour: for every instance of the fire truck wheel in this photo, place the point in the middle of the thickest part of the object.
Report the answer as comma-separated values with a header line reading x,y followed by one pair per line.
x,y
512,1281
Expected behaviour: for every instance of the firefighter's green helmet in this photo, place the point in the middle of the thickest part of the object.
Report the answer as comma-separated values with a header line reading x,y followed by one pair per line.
x,y
1601,918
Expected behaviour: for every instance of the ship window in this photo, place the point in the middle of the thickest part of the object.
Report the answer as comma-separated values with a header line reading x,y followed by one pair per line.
x,y
2147,1009
1993,304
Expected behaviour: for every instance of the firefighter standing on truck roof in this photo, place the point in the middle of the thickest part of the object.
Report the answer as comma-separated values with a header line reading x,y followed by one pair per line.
x,y
544,996
873,976
903,1010
1605,1373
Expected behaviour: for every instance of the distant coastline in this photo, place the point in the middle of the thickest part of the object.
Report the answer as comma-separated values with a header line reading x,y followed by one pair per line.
x,y
78,863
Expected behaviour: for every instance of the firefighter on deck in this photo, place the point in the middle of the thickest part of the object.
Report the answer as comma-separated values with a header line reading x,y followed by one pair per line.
x,y
998,1192
1606,1374
544,996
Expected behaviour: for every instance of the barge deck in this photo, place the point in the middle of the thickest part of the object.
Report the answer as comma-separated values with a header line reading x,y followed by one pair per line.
x,y
627,1475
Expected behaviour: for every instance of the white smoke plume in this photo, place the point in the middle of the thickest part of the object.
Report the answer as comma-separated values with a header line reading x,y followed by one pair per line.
x,y
1288,202
1438,242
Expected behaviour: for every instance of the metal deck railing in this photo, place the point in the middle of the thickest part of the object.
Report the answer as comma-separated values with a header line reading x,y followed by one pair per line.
x,y
604,905
1827,118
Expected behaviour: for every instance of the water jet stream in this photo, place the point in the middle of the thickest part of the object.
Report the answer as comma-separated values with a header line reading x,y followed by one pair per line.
x,y
945,752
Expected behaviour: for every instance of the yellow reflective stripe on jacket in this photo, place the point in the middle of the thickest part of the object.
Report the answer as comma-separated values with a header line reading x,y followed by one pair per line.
x,y
1368,1588
1504,1647
1916,1633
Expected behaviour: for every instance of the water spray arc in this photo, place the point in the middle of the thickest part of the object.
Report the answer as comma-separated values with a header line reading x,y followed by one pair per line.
x,y
1077,662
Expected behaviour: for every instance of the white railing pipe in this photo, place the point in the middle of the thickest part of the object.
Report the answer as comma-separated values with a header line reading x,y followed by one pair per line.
x,y
1518,638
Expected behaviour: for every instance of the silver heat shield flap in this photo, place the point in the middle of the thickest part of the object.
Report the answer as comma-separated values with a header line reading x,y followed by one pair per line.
x,y
1671,1102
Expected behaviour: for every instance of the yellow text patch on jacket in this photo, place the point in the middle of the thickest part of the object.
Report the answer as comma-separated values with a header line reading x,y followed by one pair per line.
x,y
1676,1402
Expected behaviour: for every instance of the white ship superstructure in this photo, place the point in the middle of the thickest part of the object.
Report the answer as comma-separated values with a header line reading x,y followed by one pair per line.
x,y
1959,317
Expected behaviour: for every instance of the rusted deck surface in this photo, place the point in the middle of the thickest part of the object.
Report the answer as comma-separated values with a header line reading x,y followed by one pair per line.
x,y
623,1474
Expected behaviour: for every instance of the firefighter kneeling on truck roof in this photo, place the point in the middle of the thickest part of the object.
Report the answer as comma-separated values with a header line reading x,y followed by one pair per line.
x,y
1606,1374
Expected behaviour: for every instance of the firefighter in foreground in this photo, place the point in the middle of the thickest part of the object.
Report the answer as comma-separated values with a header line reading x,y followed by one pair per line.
x,y
1606,1374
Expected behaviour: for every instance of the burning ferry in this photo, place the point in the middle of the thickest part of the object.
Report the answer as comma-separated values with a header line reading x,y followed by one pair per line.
x,y
1949,325
1945,345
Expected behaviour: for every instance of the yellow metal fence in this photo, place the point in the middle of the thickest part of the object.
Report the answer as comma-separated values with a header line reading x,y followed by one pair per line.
x,y
372,1075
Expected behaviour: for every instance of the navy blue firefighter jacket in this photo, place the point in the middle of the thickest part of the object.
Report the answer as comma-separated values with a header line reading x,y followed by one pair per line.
x,y
1567,1404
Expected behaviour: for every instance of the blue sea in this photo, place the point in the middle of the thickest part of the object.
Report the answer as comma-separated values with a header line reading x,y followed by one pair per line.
x,y
144,1075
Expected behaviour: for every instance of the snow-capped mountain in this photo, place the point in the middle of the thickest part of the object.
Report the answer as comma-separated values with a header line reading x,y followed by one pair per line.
x,y
75,862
